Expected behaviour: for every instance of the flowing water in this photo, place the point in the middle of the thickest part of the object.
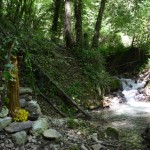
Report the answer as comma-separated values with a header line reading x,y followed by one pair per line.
x,y
132,96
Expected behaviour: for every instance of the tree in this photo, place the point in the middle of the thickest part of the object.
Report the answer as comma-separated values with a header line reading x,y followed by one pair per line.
x,y
67,28
1,8
78,21
98,24
54,28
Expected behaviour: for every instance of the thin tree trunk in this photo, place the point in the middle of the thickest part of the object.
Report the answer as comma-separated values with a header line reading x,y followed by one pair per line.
x,y
98,24
78,23
54,27
67,29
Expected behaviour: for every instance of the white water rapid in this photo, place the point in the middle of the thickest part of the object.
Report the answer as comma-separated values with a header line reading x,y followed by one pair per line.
x,y
131,104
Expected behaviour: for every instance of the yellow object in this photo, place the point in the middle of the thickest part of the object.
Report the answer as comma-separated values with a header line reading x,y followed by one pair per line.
x,y
22,115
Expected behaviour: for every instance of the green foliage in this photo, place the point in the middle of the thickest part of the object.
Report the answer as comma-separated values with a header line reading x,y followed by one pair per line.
x,y
75,90
94,66
112,133
75,123
74,147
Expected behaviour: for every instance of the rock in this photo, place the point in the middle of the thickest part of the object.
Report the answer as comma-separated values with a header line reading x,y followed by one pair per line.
x,y
39,126
22,148
27,97
11,145
4,112
97,147
23,103
16,127
83,147
20,137
94,137
33,107
51,134
5,122
24,90
33,117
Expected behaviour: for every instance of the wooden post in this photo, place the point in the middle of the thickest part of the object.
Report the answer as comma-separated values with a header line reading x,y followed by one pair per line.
x,y
13,88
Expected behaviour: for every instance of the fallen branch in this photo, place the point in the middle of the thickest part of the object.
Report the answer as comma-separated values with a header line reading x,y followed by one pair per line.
x,y
49,101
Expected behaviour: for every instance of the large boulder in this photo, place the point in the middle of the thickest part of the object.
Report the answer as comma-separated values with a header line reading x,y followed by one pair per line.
x,y
39,126
4,122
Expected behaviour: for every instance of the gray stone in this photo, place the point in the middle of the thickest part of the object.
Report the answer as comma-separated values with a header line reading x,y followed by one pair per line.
x,y
5,122
20,137
51,134
11,145
29,98
83,147
16,127
39,126
94,137
33,107
30,138
23,103
97,147
4,112
22,148
24,90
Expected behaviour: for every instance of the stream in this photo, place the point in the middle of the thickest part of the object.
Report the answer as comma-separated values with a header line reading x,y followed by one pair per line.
x,y
129,113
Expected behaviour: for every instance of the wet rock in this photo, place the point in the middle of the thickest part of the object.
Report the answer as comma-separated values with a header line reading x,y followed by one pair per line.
x,y
20,137
39,126
4,112
16,127
23,103
52,134
5,122
33,107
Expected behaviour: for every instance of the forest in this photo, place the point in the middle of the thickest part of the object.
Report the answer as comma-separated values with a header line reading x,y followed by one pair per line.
x,y
74,74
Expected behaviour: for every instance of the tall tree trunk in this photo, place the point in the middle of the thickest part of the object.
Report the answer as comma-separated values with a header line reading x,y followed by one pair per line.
x,y
98,24
78,23
54,27
67,29
1,8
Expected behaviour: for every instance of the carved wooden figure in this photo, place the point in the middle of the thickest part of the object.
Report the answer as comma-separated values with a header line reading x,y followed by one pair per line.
x,y
13,88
